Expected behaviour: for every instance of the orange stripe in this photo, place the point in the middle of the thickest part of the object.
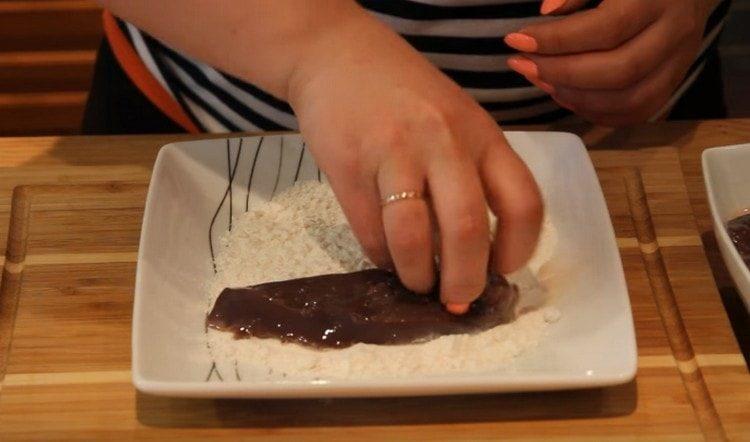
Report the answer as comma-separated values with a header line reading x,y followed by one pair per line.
x,y
140,75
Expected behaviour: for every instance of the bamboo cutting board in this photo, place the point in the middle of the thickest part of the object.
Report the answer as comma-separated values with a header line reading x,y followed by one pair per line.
x,y
66,304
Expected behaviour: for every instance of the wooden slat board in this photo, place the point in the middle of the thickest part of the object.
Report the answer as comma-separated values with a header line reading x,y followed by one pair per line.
x,y
47,53
67,368
49,25
46,71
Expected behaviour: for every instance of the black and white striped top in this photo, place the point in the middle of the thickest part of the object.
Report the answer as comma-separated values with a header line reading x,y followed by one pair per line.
x,y
461,37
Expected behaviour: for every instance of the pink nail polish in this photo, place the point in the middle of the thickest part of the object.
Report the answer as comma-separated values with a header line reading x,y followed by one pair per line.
x,y
546,87
521,42
550,6
457,309
543,85
524,66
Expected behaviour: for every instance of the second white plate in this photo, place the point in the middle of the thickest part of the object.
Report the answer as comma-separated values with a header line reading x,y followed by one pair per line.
x,y
725,171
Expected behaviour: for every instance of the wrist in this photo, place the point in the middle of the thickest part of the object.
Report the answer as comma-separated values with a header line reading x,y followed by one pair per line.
x,y
267,41
342,43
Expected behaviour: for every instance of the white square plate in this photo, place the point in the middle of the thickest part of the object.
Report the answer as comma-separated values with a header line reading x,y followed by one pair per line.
x,y
726,171
189,206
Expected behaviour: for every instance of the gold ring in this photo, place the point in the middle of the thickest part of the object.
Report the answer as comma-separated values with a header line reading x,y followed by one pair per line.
x,y
399,196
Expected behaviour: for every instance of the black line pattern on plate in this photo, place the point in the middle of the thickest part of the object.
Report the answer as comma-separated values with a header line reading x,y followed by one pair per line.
x,y
231,172
278,171
212,371
230,178
252,172
299,162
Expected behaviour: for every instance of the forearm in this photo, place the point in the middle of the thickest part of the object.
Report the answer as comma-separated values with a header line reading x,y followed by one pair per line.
x,y
260,41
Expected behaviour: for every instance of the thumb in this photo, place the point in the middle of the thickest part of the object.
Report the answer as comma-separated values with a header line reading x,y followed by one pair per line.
x,y
557,7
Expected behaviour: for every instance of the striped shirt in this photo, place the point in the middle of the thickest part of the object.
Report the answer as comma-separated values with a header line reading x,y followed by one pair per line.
x,y
463,38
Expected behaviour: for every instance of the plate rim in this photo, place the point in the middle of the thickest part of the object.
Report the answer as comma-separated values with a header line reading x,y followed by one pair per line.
x,y
429,386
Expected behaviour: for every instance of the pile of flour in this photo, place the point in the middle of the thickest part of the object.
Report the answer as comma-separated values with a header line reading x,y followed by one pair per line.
x,y
303,232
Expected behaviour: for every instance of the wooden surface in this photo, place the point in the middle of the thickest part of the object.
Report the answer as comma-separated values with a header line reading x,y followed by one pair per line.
x,y
65,337
48,47
47,52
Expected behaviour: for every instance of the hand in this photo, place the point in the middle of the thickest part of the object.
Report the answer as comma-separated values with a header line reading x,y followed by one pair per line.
x,y
380,119
617,64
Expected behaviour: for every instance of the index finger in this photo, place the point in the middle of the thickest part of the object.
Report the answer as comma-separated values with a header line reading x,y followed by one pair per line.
x,y
604,27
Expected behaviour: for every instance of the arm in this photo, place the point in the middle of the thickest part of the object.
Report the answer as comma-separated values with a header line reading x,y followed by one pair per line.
x,y
379,119
260,41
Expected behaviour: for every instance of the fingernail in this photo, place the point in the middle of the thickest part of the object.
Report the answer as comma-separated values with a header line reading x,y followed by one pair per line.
x,y
524,66
543,85
550,6
546,87
521,42
457,309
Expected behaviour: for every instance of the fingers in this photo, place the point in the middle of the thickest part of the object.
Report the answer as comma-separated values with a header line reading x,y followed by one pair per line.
x,y
616,69
623,79
359,201
514,198
601,28
461,211
530,70
407,224
561,6
631,105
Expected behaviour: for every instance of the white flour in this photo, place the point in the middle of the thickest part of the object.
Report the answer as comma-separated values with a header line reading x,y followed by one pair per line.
x,y
302,232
